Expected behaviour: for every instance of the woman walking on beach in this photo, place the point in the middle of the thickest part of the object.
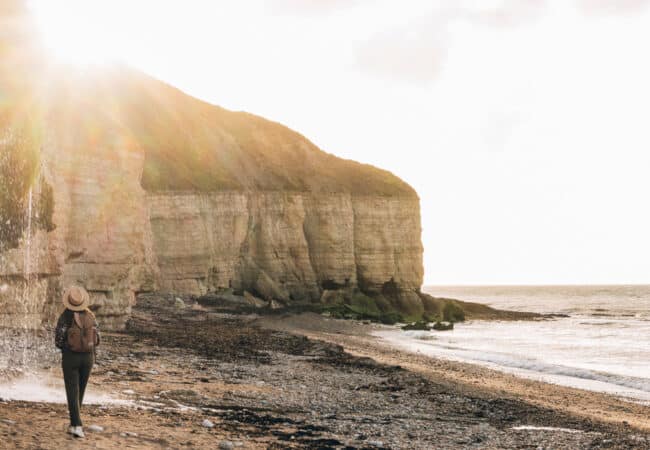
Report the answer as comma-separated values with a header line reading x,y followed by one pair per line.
x,y
76,336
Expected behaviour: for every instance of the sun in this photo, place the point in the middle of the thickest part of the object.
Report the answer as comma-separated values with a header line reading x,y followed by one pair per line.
x,y
80,32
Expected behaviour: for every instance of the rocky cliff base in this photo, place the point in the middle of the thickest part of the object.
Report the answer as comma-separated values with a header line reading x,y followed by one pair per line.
x,y
352,303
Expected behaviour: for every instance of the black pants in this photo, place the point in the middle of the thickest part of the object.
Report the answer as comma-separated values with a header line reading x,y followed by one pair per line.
x,y
76,371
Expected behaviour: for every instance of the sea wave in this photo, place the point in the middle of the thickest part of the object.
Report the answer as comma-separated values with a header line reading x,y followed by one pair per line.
x,y
533,365
541,365
601,346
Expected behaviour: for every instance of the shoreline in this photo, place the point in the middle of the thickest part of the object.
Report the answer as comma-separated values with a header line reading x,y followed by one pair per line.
x,y
589,381
592,405
302,381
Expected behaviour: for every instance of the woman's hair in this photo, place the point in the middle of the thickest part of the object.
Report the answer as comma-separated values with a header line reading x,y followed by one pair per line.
x,y
87,310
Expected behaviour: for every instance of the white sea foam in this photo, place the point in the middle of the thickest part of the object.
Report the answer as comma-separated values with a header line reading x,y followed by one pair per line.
x,y
41,388
588,350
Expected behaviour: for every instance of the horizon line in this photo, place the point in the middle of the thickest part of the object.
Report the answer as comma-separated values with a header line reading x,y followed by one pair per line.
x,y
538,285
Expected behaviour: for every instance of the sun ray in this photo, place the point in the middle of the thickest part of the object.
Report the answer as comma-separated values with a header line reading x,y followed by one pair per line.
x,y
76,32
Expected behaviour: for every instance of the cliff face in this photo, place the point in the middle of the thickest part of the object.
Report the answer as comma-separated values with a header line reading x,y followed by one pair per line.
x,y
102,237
304,242
139,187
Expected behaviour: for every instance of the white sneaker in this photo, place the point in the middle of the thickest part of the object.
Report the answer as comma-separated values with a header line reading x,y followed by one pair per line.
x,y
70,429
78,432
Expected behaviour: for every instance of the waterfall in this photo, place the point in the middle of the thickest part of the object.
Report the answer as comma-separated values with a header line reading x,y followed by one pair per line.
x,y
28,348
27,291
28,237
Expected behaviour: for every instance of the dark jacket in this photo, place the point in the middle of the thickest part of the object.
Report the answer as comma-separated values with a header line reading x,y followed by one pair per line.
x,y
62,326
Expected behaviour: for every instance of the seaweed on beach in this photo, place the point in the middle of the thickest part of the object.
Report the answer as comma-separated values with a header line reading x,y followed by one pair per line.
x,y
236,339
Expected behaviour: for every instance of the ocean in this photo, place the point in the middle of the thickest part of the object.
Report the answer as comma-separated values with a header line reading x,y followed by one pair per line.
x,y
603,345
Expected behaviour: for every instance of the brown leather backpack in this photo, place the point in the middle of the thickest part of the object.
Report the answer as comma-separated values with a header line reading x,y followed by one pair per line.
x,y
82,335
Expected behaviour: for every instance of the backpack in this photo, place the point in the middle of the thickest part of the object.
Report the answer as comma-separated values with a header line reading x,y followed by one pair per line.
x,y
82,334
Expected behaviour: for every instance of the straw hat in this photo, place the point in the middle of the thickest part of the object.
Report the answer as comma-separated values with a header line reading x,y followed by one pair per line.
x,y
76,299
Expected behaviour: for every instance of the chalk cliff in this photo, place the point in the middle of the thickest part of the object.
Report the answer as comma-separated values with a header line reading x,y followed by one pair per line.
x,y
304,242
137,187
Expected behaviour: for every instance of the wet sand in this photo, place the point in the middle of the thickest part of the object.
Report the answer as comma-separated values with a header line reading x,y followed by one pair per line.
x,y
358,340
307,382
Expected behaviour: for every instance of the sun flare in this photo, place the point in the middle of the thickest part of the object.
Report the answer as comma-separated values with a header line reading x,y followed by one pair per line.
x,y
80,32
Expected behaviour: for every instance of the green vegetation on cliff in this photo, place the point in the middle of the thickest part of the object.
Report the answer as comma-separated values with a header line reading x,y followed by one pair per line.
x,y
18,169
191,145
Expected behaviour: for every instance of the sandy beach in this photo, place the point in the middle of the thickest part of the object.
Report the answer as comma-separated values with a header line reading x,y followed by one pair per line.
x,y
199,378
359,341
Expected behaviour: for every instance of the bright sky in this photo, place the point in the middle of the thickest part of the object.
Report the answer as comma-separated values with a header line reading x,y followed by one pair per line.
x,y
523,124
